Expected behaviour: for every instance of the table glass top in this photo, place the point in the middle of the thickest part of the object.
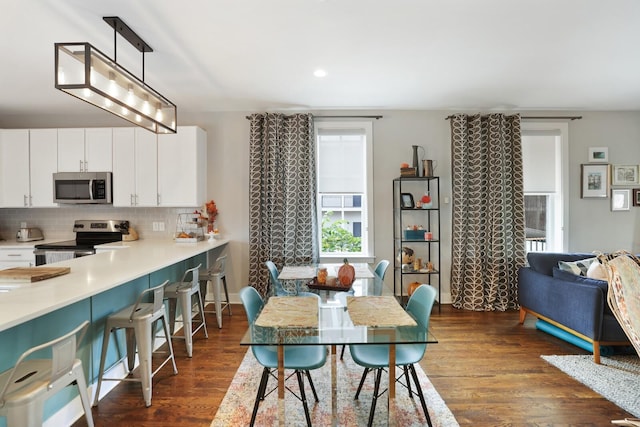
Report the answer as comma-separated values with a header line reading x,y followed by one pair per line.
x,y
335,327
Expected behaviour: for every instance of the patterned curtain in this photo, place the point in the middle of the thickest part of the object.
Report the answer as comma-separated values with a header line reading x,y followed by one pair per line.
x,y
488,244
282,194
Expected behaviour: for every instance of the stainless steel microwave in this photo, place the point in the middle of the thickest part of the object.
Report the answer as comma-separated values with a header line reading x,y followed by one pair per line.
x,y
82,187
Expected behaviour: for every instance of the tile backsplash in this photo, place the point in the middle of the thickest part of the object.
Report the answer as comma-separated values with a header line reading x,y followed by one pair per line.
x,y
57,223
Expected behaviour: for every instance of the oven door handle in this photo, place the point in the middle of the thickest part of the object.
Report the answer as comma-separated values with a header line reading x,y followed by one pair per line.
x,y
91,189
78,253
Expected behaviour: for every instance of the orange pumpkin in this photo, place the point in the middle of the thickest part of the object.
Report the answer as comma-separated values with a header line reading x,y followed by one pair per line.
x,y
346,273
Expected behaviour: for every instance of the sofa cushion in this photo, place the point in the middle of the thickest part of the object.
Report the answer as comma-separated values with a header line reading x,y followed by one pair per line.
x,y
543,262
579,268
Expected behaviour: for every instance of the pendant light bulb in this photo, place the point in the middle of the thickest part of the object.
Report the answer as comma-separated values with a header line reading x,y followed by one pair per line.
x,y
113,86
146,109
130,96
159,116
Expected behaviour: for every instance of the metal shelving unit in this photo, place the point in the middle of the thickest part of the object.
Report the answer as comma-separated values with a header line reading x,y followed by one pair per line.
x,y
404,218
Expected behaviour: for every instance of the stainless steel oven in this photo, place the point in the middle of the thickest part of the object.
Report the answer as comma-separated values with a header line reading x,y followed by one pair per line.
x,y
89,233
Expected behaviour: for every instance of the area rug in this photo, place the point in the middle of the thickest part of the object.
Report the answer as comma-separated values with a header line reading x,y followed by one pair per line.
x,y
617,378
237,405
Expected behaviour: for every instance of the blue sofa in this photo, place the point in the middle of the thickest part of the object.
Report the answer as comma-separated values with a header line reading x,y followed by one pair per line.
x,y
575,304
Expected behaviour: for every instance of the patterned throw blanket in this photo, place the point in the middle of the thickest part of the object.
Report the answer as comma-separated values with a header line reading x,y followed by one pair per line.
x,y
623,271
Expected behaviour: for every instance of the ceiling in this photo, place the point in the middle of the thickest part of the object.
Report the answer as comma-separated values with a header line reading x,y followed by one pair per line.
x,y
260,55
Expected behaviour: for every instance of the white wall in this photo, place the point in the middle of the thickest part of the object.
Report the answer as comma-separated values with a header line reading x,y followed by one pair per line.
x,y
592,225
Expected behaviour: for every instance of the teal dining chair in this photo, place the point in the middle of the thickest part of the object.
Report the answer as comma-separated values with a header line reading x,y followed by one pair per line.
x,y
376,356
278,289
380,271
300,358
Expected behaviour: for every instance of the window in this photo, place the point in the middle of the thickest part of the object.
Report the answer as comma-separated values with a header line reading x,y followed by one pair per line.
x,y
344,155
544,152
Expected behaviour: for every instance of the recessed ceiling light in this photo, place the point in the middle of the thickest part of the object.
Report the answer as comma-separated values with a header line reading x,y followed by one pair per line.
x,y
320,73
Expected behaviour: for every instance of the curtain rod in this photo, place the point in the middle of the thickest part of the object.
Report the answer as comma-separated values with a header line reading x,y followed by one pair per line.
x,y
541,117
340,117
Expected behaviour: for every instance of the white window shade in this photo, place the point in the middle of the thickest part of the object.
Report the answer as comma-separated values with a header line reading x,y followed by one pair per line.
x,y
341,162
540,157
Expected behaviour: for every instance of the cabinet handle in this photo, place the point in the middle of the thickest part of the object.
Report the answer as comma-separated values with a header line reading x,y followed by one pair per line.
x,y
81,165
24,200
86,166
158,200
131,200
13,254
30,200
137,200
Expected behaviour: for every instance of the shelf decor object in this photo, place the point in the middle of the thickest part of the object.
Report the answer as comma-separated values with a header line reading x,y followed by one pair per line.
x,y
83,71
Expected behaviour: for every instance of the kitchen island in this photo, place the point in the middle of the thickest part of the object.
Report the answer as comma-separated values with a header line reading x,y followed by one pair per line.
x,y
97,286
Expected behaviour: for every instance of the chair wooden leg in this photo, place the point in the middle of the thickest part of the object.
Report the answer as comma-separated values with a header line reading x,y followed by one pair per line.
x,y
260,395
420,394
374,400
303,397
313,389
364,375
342,352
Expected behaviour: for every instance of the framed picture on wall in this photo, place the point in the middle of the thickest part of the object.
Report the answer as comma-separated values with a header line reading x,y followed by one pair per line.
x,y
594,180
625,174
598,154
620,199
636,197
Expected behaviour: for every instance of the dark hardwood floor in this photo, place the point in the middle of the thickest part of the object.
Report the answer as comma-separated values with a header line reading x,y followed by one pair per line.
x,y
486,366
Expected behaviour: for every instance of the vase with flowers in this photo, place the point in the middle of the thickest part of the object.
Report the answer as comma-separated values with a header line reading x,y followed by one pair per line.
x,y
212,213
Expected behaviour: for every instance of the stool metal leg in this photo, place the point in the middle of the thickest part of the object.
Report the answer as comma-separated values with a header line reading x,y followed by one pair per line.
x,y
143,331
226,293
103,355
217,284
185,306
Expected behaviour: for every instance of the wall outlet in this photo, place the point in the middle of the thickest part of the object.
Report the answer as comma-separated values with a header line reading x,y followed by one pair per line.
x,y
23,224
161,226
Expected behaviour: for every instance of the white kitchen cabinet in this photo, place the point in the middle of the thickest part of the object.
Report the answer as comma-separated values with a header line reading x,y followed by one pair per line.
x,y
10,258
182,168
135,167
28,159
43,153
14,168
85,150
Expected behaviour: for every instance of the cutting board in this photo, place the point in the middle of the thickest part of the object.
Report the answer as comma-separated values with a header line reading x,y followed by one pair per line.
x,y
31,274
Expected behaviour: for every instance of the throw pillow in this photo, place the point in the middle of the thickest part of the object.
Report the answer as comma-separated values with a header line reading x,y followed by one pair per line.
x,y
597,271
578,268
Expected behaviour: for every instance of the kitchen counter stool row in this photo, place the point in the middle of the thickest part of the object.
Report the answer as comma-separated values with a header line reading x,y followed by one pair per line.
x,y
24,407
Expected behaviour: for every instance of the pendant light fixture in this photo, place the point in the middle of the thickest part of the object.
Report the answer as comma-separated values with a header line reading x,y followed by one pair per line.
x,y
88,74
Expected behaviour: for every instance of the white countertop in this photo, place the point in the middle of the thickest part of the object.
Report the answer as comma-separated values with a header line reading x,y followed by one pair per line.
x,y
91,275
12,244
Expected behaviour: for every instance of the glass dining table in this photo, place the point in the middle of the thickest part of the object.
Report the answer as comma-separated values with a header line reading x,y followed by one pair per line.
x,y
370,314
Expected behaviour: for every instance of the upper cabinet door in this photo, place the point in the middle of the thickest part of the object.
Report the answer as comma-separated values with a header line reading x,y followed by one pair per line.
x,y
85,150
43,149
146,154
98,150
14,168
182,171
124,166
70,150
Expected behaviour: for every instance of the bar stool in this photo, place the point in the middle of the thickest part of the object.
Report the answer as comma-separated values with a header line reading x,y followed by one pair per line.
x,y
25,387
182,292
216,276
138,321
